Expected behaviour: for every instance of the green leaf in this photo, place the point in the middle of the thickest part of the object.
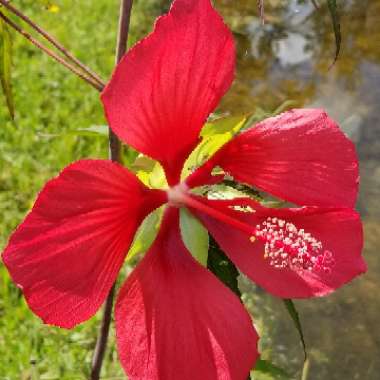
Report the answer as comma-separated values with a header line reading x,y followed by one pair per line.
x,y
207,147
223,125
93,130
333,9
6,66
223,268
145,234
214,135
261,114
267,367
222,191
152,174
286,105
96,130
195,236
290,307
244,189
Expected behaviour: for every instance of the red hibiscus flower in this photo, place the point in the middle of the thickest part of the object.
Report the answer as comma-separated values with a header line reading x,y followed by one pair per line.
x,y
174,319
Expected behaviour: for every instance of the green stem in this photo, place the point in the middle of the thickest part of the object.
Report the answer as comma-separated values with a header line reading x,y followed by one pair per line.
x,y
114,155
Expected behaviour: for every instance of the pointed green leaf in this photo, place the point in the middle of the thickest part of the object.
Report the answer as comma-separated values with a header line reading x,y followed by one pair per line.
x,y
93,130
267,367
333,9
152,175
96,130
214,135
6,66
222,125
195,236
287,104
290,307
157,178
207,147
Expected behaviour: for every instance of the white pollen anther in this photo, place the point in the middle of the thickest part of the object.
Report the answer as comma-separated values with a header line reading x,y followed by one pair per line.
x,y
286,246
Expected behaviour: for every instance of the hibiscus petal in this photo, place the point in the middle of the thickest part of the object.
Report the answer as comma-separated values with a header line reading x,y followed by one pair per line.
x,y
300,156
165,87
175,320
68,251
339,231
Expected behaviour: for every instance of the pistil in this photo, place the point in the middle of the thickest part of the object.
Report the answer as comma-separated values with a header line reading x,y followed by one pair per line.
x,y
285,245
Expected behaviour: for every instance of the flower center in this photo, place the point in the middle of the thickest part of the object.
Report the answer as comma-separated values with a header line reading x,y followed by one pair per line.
x,y
177,195
289,247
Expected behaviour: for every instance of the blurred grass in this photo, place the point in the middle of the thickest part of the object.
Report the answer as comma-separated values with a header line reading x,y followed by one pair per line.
x,y
50,102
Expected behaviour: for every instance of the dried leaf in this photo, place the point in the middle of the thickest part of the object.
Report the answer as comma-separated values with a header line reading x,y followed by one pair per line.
x,y
333,9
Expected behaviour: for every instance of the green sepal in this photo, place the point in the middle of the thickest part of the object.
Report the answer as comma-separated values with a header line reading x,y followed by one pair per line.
x,y
195,236
145,234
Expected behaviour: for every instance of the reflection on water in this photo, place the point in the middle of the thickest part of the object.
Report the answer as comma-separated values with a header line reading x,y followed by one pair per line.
x,y
289,58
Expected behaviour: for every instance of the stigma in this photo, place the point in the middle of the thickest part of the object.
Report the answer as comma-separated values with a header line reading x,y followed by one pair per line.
x,y
286,246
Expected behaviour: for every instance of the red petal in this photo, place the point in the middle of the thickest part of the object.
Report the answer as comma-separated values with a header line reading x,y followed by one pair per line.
x,y
69,249
339,230
175,320
165,87
300,156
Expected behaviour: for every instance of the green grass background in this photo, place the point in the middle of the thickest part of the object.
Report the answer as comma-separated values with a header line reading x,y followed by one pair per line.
x,y
51,103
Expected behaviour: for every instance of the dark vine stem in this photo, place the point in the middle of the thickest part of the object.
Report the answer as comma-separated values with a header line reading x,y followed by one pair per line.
x,y
101,343
53,41
114,155
50,52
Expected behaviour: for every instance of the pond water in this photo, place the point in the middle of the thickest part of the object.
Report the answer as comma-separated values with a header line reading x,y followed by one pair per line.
x,y
289,58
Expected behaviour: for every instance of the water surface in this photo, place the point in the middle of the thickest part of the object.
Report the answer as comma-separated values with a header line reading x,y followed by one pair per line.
x,y
288,59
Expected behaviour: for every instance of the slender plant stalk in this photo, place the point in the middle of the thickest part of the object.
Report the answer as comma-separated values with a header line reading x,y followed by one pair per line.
x,y
101,343
121,47
114,154
305,370
50,52
53,41
316,6
260,4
